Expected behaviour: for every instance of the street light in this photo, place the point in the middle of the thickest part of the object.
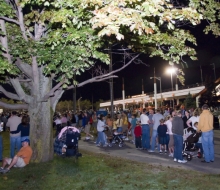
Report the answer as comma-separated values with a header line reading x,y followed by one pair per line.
x,y
161,99
171,70
79,102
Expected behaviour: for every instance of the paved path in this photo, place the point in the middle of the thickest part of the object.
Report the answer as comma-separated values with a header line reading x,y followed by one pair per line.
x,y
128,151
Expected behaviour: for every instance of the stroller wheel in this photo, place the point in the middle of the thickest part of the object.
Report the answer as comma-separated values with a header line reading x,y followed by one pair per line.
x,y
120,145
110,144
189,157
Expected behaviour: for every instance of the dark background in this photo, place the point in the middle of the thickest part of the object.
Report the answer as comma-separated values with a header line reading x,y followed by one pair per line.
x,y
208,52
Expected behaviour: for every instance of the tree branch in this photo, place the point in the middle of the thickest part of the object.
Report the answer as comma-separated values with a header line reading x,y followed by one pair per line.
x,y
21,20
13,106
9,20
54,100
4,41
104,76
25,68
52,91
17,86
35,74
9,94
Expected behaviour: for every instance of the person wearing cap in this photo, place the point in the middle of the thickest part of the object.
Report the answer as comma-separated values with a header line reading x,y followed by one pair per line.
x,y
21,159
206,127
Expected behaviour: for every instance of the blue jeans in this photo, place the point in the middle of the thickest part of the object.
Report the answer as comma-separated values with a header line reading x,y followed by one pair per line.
x,y
25,137
178,146
15,142
145,136
199,145
208,145
1,147
119,129
153,140
101,138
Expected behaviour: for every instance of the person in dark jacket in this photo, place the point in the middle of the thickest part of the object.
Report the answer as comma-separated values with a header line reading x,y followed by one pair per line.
x,y
177,129
24,128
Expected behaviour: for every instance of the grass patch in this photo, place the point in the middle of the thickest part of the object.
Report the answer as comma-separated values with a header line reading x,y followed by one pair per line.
x,y
103,172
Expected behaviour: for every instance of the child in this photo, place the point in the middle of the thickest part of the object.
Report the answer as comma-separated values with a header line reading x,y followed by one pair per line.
x,y
133,124
199,143
138,134
162,130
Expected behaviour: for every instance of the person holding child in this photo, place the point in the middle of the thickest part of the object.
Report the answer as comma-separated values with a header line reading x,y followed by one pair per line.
x,y
138,134
162,136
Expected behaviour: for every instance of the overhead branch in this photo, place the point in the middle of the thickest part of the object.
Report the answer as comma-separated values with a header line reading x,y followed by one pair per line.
x,y
25,68
9,94
9,20
39,32
21,20
17,86
94,80
4,41
35,74
104,76
52,91
54,100
13,106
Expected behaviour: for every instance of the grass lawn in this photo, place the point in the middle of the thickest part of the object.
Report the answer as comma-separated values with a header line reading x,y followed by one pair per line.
x,y
98,171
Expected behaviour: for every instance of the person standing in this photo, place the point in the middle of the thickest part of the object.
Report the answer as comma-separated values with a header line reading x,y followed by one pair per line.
x,y
133,125
162,138
206,127
15,139
145,130
24,128
193,119
138,133
151,123
185,118
156,121
177,130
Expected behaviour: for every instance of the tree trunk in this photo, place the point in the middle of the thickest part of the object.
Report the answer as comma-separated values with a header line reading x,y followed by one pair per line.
x,y
41,133
41,130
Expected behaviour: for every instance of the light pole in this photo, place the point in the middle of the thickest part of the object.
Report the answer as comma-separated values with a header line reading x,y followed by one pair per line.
x,y
161,99
171,70
79,102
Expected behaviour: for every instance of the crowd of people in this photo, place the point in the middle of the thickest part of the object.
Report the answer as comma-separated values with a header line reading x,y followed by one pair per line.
x,y
149,130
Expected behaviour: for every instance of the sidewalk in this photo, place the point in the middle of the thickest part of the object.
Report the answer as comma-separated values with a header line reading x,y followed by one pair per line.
x,y
128,151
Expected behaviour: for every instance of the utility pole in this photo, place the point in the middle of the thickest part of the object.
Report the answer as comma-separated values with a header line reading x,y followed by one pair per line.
x,y
111,85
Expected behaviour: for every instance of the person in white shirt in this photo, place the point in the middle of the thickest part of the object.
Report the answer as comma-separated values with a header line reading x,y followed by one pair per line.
x,y
193,119
169,131
145,130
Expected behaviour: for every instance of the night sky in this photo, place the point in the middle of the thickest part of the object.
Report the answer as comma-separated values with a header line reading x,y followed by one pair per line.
x,y
208,52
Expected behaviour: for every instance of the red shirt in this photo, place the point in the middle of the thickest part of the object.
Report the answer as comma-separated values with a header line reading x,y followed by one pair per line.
x,y
137,131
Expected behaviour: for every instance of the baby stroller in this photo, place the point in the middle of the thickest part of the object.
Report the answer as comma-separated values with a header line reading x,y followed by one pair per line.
x,y
189,145
116,139
72,143
66,143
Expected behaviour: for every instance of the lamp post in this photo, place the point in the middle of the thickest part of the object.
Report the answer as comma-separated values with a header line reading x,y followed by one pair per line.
x,y
161,99
171,70
79,102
